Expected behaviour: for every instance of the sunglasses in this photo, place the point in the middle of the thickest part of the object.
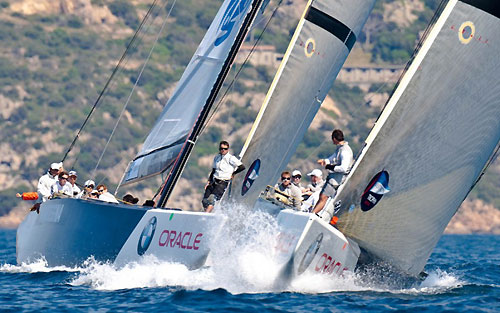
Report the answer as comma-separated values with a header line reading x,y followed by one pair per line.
x,y
100,190
285,178
297,177
221,148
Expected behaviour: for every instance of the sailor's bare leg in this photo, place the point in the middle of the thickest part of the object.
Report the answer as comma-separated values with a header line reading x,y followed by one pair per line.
x,y
321,203
209,208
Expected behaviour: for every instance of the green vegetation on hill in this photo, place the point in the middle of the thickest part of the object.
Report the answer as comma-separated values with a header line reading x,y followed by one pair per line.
x,y
56,65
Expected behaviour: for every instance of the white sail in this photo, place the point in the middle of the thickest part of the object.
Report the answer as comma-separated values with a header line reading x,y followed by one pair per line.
x,y
319,47
431,142
172,128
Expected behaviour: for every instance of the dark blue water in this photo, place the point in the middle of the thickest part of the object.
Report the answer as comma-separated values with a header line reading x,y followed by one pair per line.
x,y
464,276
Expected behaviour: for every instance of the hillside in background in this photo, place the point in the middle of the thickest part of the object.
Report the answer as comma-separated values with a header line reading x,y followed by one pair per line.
x,y
57,55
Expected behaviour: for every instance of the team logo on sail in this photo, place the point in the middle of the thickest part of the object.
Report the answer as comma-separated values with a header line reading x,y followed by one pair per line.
x,y
250,177
466,32
376,189
233,11
146,236
310,254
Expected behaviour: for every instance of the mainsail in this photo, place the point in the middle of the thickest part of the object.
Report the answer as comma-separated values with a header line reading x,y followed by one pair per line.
x,y
319,47
431,142
193,91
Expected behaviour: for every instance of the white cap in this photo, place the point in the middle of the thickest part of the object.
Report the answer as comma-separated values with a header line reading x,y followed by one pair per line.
x,y
55,166
72,173
89,182
296,172
316,172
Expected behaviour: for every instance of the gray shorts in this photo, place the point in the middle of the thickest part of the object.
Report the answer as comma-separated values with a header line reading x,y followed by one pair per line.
x,y
330,187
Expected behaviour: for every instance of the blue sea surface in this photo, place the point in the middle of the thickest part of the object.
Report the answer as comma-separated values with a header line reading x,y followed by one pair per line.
x,y
464,273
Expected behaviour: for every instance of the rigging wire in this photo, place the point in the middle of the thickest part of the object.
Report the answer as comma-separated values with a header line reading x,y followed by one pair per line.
x,y
133,88
115,70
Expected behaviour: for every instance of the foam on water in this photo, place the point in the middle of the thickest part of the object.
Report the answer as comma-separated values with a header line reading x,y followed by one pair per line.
x,y
242,260
37,266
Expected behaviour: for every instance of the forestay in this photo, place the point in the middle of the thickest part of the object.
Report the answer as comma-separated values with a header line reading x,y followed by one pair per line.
x,y
433,139
319,47
171,130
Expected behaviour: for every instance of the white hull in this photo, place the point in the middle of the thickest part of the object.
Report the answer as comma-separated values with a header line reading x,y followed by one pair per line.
x,y
69,231
308,244
175,236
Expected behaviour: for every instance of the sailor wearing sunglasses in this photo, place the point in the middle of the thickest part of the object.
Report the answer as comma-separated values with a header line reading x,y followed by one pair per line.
x,y
225,166
290,189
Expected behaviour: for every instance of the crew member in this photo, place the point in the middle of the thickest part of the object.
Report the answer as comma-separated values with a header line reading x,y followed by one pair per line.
x,y
296,180
338,165
76,192
290,189
224,168
45,184
104,195
62,186
87,189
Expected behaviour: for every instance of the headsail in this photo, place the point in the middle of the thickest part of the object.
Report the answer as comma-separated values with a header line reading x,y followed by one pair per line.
x,y
172,128
318,49
433,138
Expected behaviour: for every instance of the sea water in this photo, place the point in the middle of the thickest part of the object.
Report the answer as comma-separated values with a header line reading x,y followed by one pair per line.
x,y
240,276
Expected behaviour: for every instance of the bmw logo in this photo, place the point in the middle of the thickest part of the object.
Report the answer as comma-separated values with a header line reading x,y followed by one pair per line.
x,y
310,254
146,236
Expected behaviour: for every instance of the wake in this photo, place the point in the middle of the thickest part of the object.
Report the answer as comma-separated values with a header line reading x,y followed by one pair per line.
x,y
242,260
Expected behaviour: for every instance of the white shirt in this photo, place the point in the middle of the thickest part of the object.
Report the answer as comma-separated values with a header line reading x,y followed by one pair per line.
x,y
66,189
225,166
342,159
44,188
76,192
316,187
108,197
308,205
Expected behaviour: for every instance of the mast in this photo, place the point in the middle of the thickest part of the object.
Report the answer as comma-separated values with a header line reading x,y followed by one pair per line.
x,y
188,146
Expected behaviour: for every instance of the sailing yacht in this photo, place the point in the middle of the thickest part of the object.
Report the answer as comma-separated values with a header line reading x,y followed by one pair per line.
x,y
68,231
415,154
435,137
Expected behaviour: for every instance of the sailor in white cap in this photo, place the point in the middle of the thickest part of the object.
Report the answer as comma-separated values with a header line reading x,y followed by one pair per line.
x,y
88,187
46,181
296,177
311,193
76,192
317,181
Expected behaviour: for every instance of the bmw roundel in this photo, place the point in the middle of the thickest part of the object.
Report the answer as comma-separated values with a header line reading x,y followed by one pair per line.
x,y
250,177
310,254
376,189
146,236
